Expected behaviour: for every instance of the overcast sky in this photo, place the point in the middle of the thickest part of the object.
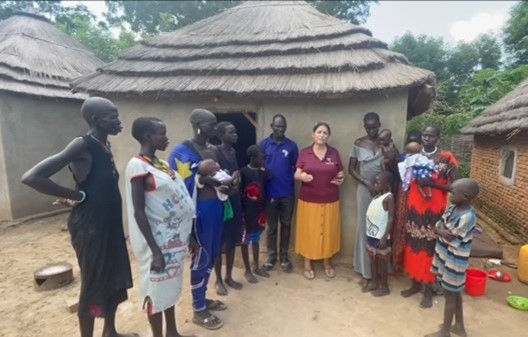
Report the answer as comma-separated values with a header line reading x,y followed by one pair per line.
x,y
452,20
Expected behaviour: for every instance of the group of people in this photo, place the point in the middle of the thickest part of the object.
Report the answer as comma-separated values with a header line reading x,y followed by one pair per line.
x,y
200,201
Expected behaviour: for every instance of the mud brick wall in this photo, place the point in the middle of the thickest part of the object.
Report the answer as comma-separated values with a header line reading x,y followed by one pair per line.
x,y
506,205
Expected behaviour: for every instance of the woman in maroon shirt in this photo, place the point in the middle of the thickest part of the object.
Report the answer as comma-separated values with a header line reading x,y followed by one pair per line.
x,y
318,228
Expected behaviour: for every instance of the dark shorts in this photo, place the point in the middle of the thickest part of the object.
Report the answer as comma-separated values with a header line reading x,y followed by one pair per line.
x,y
375,252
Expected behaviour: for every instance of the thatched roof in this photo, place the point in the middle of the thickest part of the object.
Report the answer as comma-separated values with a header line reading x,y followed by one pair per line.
x,y
259,48
509,114
37,58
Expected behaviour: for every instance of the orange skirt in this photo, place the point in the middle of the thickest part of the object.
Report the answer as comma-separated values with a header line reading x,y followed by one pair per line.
x,y
318,230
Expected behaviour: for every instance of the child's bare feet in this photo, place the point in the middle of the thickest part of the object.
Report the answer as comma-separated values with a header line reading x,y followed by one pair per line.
x,y
371,286
380,292
440,333
250,277
456,329
115,334
221,290
414,289
232,283
427,301
261,272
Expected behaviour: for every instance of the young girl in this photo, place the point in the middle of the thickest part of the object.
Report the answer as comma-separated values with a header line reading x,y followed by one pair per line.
x,y
451,258
253,184
380,217
160,215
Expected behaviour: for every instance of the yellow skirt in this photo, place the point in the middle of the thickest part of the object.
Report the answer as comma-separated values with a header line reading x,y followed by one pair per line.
x,y
317,230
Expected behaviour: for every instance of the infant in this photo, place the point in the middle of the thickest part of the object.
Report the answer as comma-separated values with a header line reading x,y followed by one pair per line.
x,y
390,152
416,165
210,168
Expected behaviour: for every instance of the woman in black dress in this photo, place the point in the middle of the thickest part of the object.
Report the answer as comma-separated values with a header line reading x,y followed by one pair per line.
x,y
233,230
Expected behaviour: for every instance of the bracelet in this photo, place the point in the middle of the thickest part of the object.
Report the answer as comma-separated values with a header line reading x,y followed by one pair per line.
x,y
83,197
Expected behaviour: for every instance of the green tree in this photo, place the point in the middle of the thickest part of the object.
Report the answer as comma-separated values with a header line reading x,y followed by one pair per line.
x,y
79,23
424,52
516,33
489,50
353,11
152,17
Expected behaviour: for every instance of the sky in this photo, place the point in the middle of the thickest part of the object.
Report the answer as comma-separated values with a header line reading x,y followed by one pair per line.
x,y
454,21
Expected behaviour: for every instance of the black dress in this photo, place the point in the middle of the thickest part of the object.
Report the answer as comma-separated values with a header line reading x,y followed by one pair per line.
x,y
96,228
233,229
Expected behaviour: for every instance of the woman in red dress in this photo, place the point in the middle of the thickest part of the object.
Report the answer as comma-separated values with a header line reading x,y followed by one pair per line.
x,y
422,215
399,232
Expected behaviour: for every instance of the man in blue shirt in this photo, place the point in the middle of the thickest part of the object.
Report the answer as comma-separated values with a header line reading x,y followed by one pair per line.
x,y
281,157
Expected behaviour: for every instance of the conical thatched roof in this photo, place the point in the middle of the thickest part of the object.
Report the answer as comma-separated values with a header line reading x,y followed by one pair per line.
x,y
37,58
275,48
509,114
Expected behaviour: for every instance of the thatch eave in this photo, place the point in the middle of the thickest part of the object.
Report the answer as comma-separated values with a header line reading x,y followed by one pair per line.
x,y
391,76
350,42
248,41
37,58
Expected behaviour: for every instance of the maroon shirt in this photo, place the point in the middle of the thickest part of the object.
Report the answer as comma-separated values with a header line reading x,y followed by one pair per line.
x,y
320,190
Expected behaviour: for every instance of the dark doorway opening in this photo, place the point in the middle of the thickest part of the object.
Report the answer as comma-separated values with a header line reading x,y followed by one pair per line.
x,y
247,134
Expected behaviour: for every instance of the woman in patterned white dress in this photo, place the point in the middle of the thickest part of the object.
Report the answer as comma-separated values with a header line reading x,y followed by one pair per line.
x,y
160,215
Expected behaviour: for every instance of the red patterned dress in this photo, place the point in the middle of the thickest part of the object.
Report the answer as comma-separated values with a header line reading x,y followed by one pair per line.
x,y
422,215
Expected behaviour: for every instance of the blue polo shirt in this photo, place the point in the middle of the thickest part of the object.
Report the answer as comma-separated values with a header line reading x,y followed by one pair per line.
x,y
280,161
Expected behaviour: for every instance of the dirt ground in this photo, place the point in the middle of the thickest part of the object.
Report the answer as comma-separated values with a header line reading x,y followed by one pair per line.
x,y
284,305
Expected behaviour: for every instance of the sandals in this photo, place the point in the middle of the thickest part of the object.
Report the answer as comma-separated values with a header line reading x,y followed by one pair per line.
x,y
330,272
215,305
309,274
268,265
210,323
286,266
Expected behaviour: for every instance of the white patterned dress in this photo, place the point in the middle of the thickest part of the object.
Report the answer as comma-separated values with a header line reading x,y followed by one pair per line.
x,y
170,211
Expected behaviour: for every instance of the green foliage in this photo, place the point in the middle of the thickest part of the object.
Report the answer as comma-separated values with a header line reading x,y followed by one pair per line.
x,y
79,23
353,11
453,66
424,52
516,34
485,88
152,17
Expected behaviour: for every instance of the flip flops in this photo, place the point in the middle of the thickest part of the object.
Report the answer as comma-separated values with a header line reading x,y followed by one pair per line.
x,y
210,323
500,276
215,305
330,272
309,274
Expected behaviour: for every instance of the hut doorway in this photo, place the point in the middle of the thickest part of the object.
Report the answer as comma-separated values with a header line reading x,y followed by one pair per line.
x,y
247,134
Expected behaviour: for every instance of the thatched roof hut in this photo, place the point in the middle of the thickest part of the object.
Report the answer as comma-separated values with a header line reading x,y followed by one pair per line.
x,y
277,49
259,59
508,114
499,161
39,59
38,112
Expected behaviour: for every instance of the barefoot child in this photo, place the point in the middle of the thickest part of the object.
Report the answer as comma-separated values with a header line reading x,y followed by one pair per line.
x,y
451,258
380,218
253,184
416,165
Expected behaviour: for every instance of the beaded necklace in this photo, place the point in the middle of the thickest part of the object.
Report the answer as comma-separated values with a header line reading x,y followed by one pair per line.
x,y
160,165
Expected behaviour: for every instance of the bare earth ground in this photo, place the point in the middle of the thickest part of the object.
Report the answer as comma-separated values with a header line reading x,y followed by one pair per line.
x,y
284,305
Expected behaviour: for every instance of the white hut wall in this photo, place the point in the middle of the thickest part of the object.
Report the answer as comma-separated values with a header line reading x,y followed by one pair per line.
x,y
345,117
32,129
